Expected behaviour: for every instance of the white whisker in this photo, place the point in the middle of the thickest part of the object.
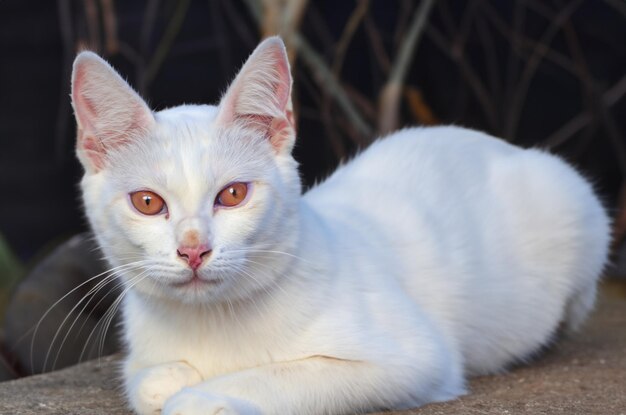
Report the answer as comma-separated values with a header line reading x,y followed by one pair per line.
x,y
43,317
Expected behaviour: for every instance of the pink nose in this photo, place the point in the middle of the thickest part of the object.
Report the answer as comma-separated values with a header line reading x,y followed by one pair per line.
x,y
193,254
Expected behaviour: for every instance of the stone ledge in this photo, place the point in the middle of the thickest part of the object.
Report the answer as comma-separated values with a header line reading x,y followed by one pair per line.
x,y
583,374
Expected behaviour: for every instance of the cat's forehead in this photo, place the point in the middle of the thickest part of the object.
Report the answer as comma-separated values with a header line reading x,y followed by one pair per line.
x,y
187,149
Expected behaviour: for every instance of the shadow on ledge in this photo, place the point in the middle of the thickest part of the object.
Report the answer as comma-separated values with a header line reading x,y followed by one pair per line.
x,y
583,374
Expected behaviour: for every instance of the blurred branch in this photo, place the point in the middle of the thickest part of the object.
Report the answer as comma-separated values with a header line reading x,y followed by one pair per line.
x,y
320,30
221,37
389,99
608,99
473,81
166,42
465,25
140,57
513,64
326,79
322,113
376,41
63,110
240,27
420,110
346,37
516,105
491,59
580,65
111,43
10,272
618,5
404,16
322,75
93,24
615,137
362,102
147,26
281,17
519,41
334,138
256,10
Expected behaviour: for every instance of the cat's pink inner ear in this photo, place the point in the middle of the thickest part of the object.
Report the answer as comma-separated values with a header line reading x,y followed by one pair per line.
x,y
108,112
260,96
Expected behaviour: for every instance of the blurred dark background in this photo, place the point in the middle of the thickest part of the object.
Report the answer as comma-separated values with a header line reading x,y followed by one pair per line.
x,y
548,73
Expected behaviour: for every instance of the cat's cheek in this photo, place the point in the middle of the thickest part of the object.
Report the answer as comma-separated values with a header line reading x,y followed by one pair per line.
x,y
144,234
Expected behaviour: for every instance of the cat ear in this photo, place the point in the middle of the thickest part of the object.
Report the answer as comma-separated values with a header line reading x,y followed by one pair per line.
x,y
260,96
108,112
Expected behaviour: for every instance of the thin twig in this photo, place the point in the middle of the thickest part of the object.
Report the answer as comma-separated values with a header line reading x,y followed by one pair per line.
x,y
221,36
147,26
472,80
566,131
376,43
616,138
362,102
380,65
519,41
132,55
67,35
325,78
348,33
166,41
580,65
618,5
491,58
465,25
111,42
140,57
93,24
256,10
238,24
320,30
282,17
512,64
339,54
389,99
321,114
422,113
517,103
404,15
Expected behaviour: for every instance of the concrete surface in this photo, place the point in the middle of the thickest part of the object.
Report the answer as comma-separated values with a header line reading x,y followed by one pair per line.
x,y
582,374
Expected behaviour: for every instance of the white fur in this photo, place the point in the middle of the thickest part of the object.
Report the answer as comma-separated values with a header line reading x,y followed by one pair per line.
x,y
436,254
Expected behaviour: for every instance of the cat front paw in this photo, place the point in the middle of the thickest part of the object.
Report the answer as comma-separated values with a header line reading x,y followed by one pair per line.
x,y
192,401
151,387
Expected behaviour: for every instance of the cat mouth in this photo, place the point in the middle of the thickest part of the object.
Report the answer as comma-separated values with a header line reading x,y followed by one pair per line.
x,y
196,281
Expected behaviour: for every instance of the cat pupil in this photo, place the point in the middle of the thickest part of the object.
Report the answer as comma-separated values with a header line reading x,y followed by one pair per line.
x,y
147,199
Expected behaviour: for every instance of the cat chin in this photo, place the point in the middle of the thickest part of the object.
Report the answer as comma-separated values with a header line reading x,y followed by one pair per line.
x,y
192,293
197,282
205,289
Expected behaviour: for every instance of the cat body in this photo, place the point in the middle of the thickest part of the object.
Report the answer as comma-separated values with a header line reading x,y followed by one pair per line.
x,y
435,254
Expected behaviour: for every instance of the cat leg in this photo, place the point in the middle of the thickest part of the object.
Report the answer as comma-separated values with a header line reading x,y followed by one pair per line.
x,y
317,385
149,388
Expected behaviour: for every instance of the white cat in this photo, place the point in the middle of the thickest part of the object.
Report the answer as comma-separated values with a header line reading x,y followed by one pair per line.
x,y
436,254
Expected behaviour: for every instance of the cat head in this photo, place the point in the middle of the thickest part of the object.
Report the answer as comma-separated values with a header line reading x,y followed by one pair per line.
x,y
193,203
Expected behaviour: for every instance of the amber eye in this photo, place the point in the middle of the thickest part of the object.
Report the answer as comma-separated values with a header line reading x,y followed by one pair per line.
x,y
148,203
232,195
